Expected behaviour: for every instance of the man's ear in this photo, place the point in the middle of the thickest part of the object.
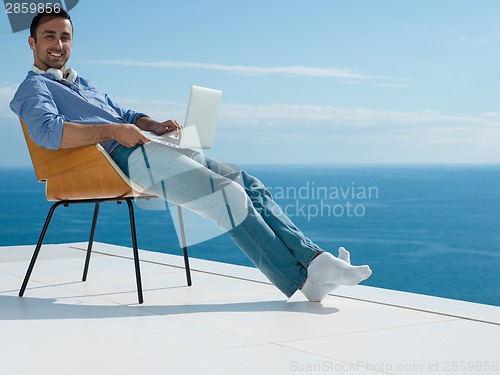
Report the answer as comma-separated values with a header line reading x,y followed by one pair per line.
x,y
32,43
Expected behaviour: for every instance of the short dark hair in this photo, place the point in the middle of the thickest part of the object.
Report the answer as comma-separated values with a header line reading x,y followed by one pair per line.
x,y
46,13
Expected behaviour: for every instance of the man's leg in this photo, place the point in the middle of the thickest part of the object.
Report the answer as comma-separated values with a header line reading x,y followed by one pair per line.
x,y
301,246
324,271
294,239
195,186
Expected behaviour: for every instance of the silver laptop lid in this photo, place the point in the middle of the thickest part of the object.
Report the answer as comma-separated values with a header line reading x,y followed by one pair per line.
x,y
201,118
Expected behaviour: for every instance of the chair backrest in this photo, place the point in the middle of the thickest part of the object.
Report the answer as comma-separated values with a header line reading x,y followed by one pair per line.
x,y
78,173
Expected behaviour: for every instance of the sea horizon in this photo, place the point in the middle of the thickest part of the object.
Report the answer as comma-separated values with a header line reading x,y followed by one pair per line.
x,y
430,229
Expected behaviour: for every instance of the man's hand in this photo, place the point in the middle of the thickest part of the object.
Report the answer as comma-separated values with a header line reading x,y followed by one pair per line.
x,y
128,135
168,126
160,128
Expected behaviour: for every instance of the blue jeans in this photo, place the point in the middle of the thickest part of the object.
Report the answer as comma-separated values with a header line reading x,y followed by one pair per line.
x,y
234,200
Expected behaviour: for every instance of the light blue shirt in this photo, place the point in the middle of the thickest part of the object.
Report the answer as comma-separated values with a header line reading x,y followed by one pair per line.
x,y
45,104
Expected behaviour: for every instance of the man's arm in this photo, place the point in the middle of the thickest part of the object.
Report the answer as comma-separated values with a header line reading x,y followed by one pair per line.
x,y
143,121
128,135
76,135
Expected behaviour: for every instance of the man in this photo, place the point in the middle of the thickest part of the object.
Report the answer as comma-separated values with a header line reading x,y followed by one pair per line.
x,y
63,110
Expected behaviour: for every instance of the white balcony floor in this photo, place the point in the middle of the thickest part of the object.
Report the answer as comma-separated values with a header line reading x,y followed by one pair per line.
x,y
231,321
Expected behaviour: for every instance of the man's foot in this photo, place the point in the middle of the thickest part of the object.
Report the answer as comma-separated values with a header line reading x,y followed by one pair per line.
x,y
326,272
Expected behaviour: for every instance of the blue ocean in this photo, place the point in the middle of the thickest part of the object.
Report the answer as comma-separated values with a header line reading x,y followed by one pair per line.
x,y
425,229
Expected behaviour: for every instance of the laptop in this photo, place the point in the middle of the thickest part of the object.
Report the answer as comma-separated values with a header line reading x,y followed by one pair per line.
x,y
199,127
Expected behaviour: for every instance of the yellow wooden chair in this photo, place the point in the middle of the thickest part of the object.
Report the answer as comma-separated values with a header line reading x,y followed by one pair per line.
x,y
87,175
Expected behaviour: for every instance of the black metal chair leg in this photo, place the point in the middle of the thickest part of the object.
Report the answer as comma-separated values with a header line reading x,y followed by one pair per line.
x,y
136,250
184,246
39,246
91,242
181,226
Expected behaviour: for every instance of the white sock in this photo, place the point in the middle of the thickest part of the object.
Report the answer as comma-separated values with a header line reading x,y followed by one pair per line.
x,y
326,272
344,255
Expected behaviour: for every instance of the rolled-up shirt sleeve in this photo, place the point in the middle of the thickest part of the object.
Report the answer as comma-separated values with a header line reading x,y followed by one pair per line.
x,y
34,104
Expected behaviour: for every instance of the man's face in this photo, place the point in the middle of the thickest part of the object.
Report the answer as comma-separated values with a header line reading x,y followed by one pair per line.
x,y
52,46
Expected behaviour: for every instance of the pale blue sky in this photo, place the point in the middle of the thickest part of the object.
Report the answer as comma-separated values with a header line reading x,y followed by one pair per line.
x,y
373,81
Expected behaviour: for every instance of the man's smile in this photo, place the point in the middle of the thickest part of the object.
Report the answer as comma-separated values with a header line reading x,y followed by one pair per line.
x,y
55,54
